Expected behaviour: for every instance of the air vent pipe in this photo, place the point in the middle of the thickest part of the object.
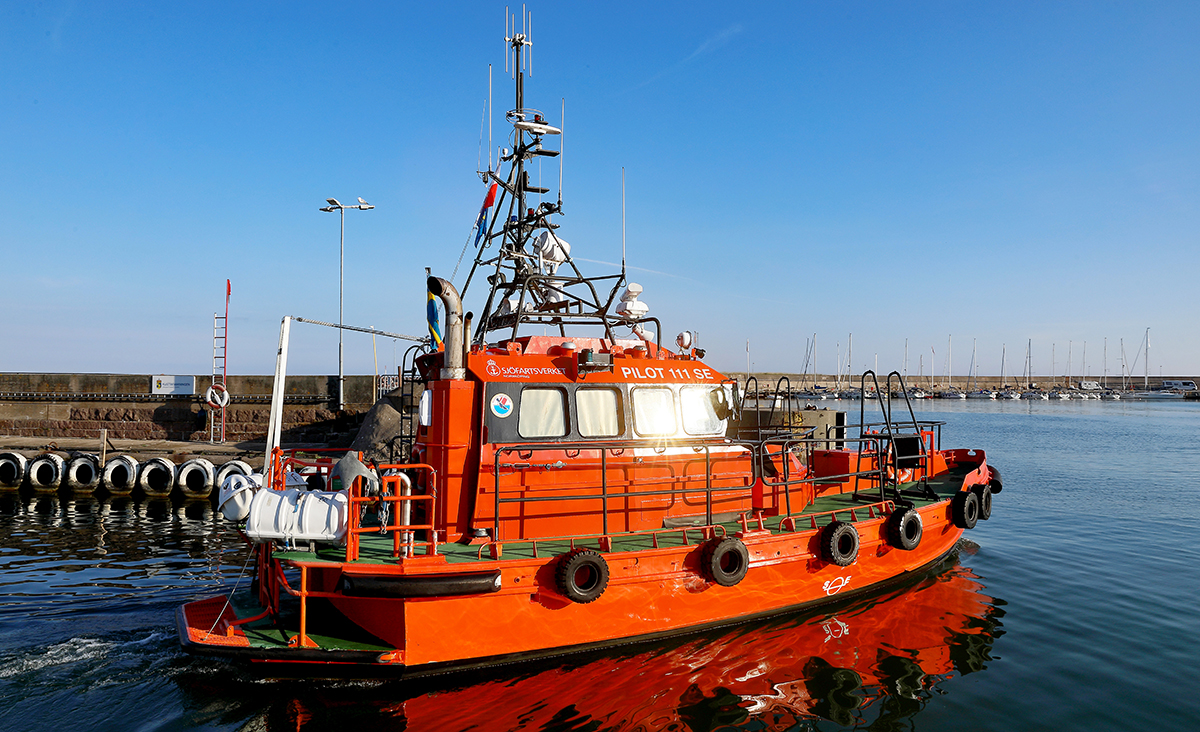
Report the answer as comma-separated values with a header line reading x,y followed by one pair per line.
x,y
453,363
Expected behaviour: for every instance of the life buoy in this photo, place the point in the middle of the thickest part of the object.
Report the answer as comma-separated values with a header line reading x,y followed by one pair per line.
x,y
726,561
839,543
217,396
964,509
582,576
904,528
984,493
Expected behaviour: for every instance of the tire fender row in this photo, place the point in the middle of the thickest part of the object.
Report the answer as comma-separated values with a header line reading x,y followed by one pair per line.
x,y
582,574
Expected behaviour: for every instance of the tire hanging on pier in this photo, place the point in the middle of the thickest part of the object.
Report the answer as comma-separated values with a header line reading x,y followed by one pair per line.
x,y
196,478
839,543
121,475
157,477
46,472
83,473
726,561
582,576
964,509
233,467
904,528
13,466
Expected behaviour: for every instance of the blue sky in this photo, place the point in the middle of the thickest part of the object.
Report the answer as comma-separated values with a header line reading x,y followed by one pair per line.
x,y
995,172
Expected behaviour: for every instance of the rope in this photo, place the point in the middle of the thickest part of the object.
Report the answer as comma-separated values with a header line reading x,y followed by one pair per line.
x,y
230,595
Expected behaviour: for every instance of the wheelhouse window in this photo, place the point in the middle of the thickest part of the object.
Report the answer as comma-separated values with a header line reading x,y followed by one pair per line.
x,y
654,411
599,412
542,413
700,405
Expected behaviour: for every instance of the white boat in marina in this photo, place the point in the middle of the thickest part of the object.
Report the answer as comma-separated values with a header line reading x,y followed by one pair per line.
x,y
1157,395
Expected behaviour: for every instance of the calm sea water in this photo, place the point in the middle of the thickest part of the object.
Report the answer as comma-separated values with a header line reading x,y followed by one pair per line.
x,y
1077,606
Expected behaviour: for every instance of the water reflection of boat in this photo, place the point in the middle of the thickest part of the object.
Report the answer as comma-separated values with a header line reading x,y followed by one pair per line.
x,y
878,660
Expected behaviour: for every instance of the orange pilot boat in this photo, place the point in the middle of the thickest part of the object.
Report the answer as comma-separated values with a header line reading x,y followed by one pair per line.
x,y
558,493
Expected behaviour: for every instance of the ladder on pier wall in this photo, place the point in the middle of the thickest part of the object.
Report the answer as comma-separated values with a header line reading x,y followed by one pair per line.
x,y
220,368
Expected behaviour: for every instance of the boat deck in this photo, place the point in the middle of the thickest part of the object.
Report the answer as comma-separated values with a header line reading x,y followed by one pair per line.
x,y
330,631
377,548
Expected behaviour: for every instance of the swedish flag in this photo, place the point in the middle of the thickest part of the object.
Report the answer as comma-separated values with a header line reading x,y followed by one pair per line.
x,y
435,328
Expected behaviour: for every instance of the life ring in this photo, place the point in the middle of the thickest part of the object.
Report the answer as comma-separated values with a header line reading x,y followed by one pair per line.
x,y
984,493
964,509
839,543
582,576
726,561
904,528
217,396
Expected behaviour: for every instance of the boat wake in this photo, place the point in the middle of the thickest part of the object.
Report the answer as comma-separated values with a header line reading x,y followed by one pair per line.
x,y
98,659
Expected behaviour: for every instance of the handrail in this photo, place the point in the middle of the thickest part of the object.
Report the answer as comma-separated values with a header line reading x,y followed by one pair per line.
x,y
401,533
604,495
758,452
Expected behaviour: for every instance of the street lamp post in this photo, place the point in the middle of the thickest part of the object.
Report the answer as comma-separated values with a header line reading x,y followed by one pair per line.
x,y
335,206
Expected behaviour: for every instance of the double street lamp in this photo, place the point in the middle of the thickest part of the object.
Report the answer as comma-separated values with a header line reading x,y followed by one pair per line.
x,y
335,206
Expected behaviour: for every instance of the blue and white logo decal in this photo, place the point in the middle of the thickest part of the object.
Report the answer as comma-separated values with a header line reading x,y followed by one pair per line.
x,y
502,405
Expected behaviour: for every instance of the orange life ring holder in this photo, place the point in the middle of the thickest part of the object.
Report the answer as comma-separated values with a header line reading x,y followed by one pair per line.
x,y
217,397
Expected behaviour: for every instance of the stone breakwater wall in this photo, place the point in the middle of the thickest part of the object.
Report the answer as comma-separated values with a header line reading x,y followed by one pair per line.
x,y
81,405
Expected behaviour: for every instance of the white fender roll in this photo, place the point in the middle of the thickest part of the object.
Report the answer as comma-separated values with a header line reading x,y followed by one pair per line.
x,y
196,478
157,477
46,472
13,466
83,473
120,475
233,467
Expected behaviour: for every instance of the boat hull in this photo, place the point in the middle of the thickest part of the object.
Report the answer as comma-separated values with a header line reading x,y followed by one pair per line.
x,y
651,594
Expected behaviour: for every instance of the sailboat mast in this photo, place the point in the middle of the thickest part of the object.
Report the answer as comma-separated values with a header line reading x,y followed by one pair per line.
x,y
1146,365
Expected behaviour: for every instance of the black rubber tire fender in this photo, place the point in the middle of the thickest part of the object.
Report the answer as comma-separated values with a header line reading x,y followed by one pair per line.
x,y
839,543
984,493
996,482
964,509
582,576
904,528
726,561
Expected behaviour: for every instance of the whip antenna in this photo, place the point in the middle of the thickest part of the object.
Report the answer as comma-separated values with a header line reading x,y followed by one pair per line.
x,y
490,115
562,148
622,222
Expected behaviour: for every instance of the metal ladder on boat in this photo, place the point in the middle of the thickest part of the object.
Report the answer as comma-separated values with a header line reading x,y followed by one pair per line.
x,y
411,387
897,449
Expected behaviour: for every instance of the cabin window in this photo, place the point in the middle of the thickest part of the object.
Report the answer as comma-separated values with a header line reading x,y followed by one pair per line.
x,y
542,414
654,411
700,404
599,412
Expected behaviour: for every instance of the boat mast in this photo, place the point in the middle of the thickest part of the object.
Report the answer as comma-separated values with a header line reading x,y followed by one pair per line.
x,y
950,359
1003,356
1146,365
